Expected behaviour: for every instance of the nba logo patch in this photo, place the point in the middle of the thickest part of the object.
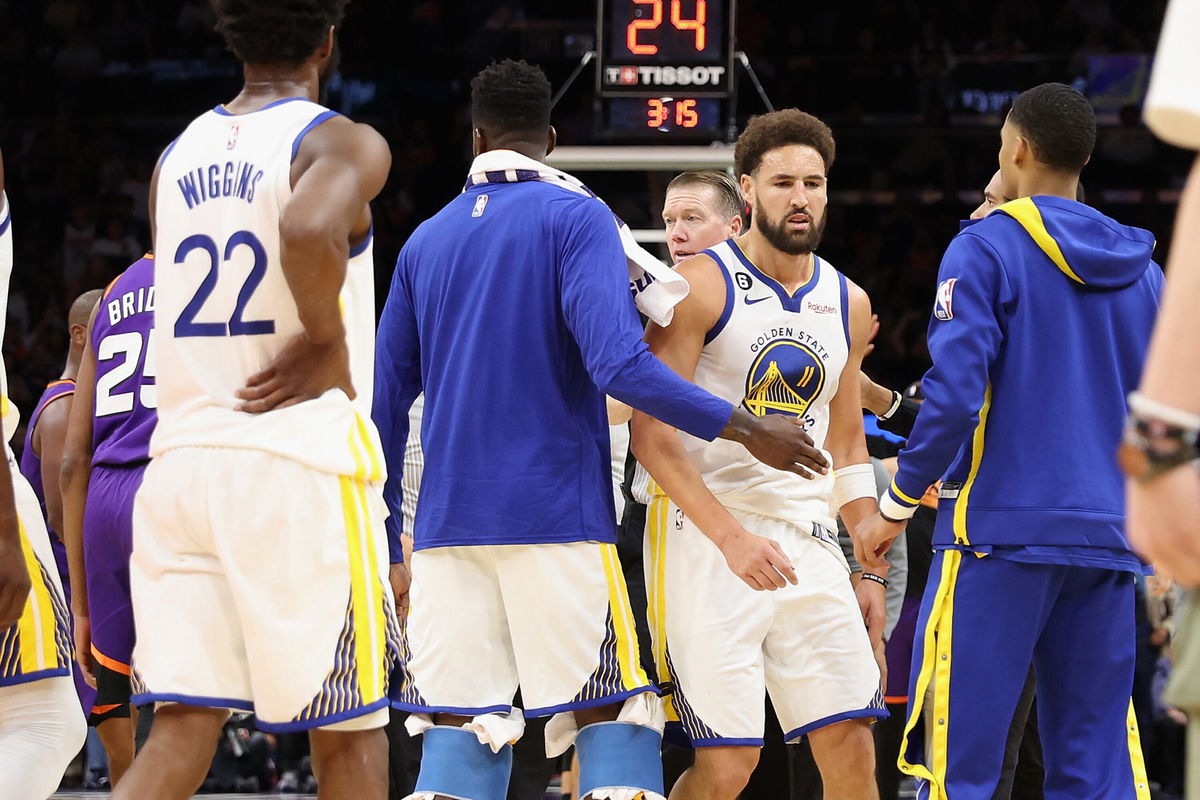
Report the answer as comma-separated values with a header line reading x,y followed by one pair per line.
x,y
944,309
231,142
679,519
480,205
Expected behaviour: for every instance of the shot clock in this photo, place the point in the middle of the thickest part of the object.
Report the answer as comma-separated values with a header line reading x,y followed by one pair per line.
x,y
665,67
647,47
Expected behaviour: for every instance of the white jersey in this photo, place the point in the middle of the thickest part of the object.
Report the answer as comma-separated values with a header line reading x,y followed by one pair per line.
x,y
223,306
773,353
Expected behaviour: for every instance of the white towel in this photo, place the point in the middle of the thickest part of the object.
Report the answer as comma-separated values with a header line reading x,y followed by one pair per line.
x,y
1173,100
656,288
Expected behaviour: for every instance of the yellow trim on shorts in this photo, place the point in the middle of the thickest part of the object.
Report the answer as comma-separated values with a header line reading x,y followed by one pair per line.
x,y
366,597
632,675
367,445
936,658
1141,784
977,439
38,625
656,518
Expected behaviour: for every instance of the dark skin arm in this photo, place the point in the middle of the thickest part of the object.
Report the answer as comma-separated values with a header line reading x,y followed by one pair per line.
x,y
340,168
48,439
76,472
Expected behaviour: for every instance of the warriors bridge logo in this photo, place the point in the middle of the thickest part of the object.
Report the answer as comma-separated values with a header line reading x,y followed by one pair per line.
x,y
785,378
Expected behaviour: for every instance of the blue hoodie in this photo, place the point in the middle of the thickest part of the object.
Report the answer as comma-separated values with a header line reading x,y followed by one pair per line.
x,y
1042,319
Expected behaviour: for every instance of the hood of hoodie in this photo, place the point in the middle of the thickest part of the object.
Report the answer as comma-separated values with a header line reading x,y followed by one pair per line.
x,y
1088,247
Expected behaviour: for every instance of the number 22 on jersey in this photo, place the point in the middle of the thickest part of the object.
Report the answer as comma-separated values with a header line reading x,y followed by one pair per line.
x,y
186,325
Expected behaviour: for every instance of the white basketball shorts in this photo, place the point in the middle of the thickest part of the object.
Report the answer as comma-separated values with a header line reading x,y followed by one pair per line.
x,y
718,644
261,584
553,618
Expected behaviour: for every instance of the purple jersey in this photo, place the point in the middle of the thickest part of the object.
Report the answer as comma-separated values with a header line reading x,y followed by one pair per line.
x,y
31,466
125,392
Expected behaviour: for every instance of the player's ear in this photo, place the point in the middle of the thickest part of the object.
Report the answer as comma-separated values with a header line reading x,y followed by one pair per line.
x,y
478,141
326,46
735,225
551,139
1021,151
747,185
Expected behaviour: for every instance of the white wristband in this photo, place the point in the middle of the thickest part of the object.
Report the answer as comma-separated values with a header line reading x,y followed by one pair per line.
x,y
852,482
1143,406
897,399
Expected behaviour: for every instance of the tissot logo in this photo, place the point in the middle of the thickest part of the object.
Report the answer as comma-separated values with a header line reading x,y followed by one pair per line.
x,y
664,76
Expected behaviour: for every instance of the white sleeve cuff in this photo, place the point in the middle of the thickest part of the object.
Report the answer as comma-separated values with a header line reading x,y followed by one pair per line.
x,y
890,509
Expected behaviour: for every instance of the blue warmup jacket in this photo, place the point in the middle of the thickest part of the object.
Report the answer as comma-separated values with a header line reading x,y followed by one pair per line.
x,y
511,309
1042,319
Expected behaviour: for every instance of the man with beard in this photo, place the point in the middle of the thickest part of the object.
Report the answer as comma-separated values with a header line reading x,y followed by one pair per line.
x,y
770,327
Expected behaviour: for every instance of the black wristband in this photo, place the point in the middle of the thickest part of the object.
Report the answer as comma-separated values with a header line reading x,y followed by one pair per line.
x,y
867,576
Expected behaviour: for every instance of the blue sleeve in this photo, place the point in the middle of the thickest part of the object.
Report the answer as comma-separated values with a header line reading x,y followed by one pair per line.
x,y
599,311
397,384
965,334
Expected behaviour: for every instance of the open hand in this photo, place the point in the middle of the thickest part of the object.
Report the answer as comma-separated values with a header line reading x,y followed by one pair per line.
x,y
301,371
872,539
1162,516
758,561
779,440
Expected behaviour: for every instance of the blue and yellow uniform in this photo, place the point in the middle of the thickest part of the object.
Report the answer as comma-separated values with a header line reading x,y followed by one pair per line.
x,y
1043,315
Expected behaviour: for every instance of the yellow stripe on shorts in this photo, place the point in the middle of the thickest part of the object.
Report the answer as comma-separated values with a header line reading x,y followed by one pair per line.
x,y
936,658
368,651
656,518
632,675
37,624
1141,784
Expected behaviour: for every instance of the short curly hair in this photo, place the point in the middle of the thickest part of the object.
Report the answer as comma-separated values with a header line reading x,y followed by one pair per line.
x,y
511,97
780,129
276,31
1059,124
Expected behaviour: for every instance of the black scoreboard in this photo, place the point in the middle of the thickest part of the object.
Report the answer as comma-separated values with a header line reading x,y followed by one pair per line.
x,y
665,67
